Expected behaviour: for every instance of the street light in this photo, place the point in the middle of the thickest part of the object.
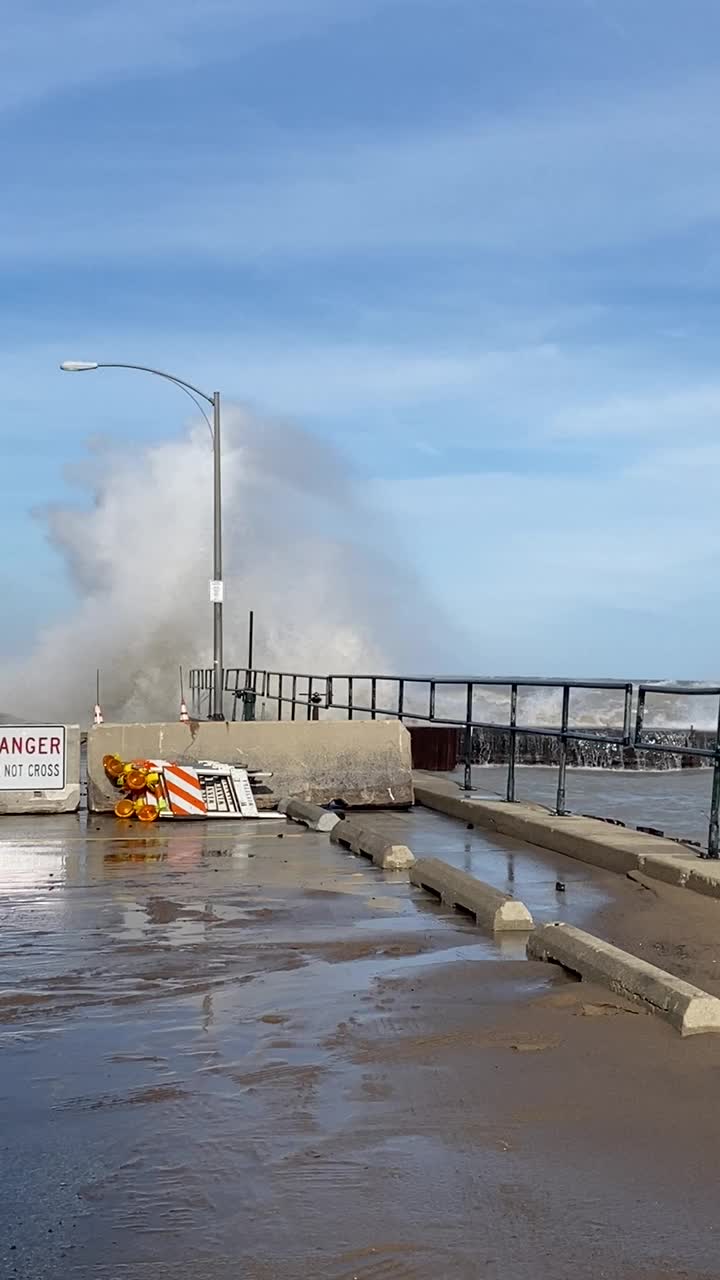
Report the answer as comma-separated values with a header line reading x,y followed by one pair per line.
x,y
216,586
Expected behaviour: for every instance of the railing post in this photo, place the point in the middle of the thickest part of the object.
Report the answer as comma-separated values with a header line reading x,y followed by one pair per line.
x,y
350,697
294,698
328,692
468,738
401,699
512,745
713,849
309,696
627,716
640,718
373,698
280,695
562,767
431,701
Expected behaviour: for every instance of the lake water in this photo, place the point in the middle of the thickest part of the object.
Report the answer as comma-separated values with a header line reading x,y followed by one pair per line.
x,y
676,801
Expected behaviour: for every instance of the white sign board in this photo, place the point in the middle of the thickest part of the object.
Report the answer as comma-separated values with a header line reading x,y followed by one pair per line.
x,y
216,591
32,757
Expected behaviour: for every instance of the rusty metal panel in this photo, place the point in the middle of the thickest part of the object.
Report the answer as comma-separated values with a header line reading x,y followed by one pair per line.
x,y
434,747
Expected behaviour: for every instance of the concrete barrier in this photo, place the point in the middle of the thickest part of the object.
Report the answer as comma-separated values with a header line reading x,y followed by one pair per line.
x,y
689,1009
492,909
371,844
589,840
361,763
311,815
36,799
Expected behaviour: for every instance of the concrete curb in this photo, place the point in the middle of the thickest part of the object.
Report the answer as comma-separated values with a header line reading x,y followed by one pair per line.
x,y
586,839
360,839
492,909
311,815
688,1009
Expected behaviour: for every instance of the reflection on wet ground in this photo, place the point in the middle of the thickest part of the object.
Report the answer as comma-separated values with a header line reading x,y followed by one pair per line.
x,y
227,1054
524,871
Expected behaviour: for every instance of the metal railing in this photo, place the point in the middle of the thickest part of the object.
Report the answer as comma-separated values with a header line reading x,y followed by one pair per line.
x,y
418,699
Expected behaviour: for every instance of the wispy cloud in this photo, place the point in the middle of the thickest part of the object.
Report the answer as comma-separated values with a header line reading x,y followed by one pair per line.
x,y
563,183
568,570
670,412
49,47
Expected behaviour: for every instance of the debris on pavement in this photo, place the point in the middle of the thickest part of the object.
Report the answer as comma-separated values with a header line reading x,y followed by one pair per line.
x,y
152,789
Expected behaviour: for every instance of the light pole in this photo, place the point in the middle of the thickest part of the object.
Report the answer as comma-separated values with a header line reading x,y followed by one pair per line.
x,y
216,586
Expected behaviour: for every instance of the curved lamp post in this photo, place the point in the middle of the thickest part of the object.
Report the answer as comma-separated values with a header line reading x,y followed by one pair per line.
x,y
216,587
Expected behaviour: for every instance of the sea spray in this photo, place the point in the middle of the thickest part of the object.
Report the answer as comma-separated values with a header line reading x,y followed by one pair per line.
x,y
302,549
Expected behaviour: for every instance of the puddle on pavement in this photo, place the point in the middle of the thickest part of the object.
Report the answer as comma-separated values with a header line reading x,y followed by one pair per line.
x,y
520,870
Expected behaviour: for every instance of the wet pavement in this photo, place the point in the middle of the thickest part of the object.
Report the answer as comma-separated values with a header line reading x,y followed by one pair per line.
x,y
228,1054
521,870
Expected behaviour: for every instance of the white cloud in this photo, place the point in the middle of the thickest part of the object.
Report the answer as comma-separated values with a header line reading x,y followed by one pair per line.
x,y
641,537
579,180
59,47
302,376
690,411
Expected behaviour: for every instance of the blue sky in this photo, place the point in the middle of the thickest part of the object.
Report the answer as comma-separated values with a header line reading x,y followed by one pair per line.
x,y
475,242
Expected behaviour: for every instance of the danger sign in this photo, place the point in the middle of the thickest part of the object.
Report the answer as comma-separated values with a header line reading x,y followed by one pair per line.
x,y
32,757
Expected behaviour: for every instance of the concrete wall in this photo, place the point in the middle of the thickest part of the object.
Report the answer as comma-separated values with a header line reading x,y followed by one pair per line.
x,y
361,763
66,800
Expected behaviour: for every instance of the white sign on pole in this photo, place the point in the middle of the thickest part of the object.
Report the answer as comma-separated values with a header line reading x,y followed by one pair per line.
x,y
216,591
32,757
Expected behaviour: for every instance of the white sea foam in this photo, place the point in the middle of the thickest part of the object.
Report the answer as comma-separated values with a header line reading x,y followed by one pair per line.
x,y
301,549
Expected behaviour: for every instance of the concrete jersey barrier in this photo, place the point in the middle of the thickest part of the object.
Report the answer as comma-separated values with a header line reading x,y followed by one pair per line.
x,y
360,762
689,1009
310,815
361,839
492,909
39,769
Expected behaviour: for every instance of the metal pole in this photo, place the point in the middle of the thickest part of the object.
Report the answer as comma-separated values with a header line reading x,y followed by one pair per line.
x,y
562,768
714,831
251,638
512,746
217,700
627,716
713,849
467,782
640,718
